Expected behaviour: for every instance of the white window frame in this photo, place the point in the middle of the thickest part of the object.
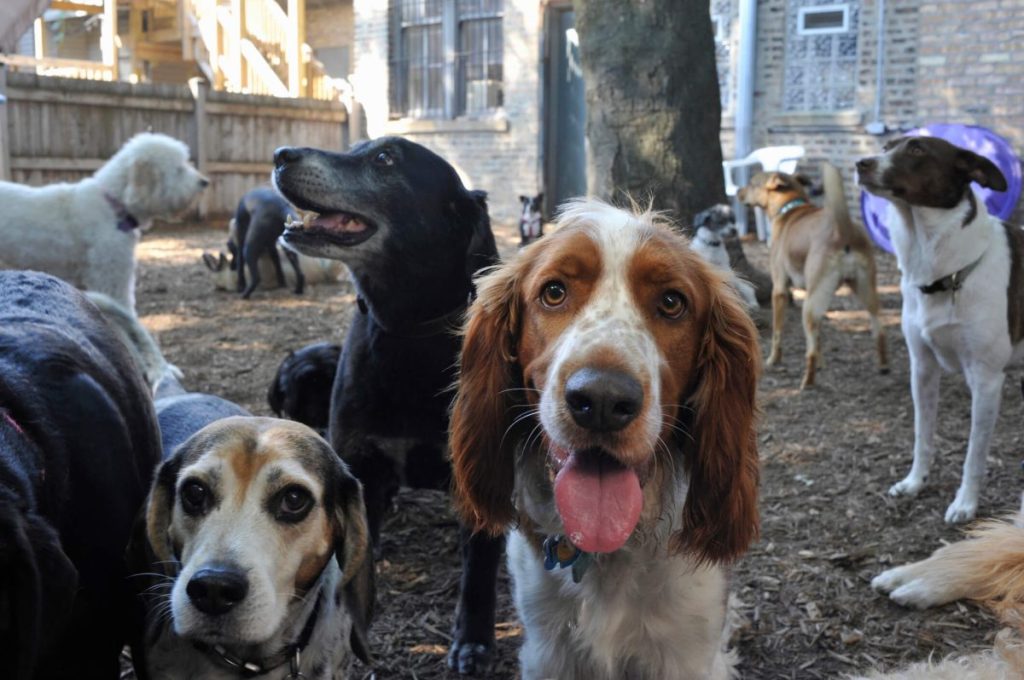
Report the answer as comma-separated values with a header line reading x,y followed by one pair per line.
x,y
821,9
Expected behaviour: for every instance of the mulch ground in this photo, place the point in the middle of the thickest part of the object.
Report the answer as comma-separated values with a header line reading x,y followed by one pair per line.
x,y
828,456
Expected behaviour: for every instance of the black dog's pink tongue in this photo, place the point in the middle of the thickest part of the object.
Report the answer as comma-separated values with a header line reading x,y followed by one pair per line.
x,y
599,501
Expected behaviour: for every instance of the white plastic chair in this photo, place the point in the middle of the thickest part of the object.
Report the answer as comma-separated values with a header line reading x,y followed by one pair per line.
x,y
771,159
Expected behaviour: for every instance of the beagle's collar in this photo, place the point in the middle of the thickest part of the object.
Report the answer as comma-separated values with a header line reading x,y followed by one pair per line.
x,y
291,655
951,282
125,220
790,205
439,325
560,552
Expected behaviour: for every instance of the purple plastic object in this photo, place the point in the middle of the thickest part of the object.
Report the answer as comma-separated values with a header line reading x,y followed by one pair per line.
x,y
981,141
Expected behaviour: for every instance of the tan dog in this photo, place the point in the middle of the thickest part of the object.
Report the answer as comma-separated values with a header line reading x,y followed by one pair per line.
x,y
261,532
988,567
816,249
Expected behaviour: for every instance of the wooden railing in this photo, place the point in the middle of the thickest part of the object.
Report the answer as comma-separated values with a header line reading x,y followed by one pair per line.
x,y
245,44
54,66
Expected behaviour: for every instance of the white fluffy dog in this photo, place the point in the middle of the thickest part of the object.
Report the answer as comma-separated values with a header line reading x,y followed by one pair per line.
x,y
86,232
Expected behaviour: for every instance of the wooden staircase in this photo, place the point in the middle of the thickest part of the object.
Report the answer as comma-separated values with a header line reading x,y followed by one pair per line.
x,y
246,46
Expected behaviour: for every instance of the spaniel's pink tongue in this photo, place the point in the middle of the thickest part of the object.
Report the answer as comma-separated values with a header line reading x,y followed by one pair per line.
x,y
599,501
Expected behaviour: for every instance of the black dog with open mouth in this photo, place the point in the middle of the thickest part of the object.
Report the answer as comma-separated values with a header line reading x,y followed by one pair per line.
x,y
413,237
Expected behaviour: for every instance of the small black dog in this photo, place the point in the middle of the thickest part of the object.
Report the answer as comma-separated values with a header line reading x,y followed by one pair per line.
x,y
78,445
531,219
413,237
259,221
302,387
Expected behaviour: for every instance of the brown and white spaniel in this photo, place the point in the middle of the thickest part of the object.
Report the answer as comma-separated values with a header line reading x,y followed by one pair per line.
x,y
606,411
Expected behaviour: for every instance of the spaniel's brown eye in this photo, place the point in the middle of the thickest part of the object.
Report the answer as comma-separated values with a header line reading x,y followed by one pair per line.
x,y
553,294
672,304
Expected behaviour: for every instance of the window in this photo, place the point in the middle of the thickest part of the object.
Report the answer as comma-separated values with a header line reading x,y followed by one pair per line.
x,y
821,56
722,14
823,20
446,57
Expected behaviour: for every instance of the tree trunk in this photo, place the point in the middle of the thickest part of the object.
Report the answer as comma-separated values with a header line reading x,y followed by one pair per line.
x,y
653,108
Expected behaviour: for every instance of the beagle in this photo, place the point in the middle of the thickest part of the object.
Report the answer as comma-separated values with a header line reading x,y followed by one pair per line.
x,y
259,533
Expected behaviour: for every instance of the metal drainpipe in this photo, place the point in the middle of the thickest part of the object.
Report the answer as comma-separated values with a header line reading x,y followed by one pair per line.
x,y
745,74
877,126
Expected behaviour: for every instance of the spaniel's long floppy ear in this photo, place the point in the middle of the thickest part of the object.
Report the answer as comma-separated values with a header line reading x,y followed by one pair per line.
x,y
481,443
352,541
720,517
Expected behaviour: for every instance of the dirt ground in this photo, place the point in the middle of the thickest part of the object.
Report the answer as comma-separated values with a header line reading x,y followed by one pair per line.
x,y
829,455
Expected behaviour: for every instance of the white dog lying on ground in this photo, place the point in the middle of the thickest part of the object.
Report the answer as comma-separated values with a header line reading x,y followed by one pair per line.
x,y
85,233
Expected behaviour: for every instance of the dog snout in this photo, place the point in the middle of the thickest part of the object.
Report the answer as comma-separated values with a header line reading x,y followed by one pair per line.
x,y
602,400
286,154
214,590
865,165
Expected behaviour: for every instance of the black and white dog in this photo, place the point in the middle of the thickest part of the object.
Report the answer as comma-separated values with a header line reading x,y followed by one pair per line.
x,y
78,444
259,221
531,219
962,280
711,228
413,236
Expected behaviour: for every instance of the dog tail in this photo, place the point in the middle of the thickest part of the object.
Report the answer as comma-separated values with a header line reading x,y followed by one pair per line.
x,y
835,203
137,339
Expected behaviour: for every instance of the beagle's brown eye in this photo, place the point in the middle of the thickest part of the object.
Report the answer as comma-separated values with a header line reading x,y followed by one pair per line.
x,y
553,294
195,497
294,503
672,304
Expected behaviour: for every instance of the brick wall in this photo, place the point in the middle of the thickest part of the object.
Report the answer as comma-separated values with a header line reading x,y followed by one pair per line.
x,y
330,26
957,61
500,155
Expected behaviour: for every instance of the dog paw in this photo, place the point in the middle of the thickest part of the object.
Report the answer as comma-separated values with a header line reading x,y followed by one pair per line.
x,y
916,594
773,359
911,486
889,580
470,658
961,510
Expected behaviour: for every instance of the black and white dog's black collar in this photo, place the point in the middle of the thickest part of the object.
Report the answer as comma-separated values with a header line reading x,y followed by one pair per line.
x,y
292,654
951,282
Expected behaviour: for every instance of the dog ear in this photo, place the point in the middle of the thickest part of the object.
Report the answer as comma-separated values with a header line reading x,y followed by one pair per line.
x,y
276,395
981,170
481,445
212,263
776,182
142,193
720,517
352,551
159,506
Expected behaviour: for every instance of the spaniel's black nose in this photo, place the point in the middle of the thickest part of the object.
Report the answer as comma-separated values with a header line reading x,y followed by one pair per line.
x,y
603,400
215,590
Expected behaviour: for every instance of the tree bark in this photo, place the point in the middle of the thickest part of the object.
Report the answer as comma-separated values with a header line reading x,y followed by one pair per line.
x,y
653,108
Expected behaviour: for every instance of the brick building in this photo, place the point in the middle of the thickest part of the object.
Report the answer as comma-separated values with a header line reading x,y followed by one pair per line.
x,y
492,84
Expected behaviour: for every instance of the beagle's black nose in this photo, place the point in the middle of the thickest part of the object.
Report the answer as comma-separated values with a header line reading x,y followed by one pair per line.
x,y
286,154
603,400
215,590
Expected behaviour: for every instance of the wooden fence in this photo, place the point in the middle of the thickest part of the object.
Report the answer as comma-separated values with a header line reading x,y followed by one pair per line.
x,y
63,129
